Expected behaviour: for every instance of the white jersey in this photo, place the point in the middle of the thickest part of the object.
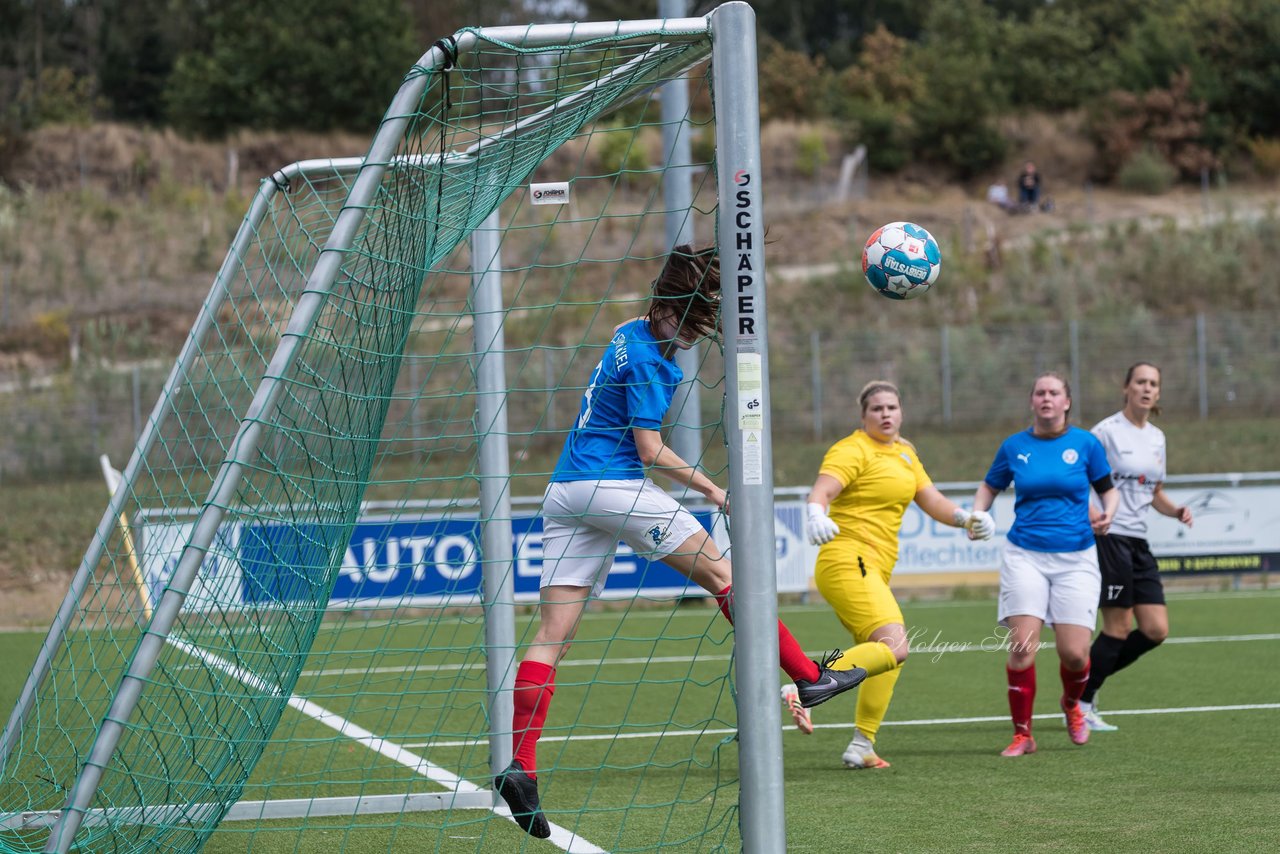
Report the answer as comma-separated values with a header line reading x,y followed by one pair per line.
x,y
1137,458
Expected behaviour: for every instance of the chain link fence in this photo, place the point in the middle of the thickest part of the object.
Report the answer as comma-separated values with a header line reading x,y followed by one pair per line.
x,y
956,376
974,376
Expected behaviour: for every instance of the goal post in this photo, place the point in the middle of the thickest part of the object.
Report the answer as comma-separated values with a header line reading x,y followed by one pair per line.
x,y
495,498
324,499
747,429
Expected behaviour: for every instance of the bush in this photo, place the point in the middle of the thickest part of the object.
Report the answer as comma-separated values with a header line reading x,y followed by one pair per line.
x,y
702,143
954,120
811,153
1266,156
875,97
887,133
15,141
793,85
59,97
1169,121
1147,172
620,150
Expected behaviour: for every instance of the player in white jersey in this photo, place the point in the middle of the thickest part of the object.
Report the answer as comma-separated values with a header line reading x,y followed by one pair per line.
x,y
1131,588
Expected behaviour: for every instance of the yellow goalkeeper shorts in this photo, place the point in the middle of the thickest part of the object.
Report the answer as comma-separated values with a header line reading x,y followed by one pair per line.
x,y
856,590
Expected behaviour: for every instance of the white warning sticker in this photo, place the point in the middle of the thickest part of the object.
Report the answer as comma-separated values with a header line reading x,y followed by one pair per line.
x,y
752,459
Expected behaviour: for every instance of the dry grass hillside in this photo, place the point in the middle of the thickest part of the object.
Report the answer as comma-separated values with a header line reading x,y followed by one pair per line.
x,y
127,160
125,227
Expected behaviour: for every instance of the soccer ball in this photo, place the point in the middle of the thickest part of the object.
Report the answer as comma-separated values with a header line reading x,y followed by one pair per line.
x,y
901,260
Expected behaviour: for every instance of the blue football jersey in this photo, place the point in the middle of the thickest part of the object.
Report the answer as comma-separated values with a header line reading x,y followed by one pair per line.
x,y
632,386
1051,479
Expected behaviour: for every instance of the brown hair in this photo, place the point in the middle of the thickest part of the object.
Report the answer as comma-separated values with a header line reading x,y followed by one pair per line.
x,y
1066,387
875,387
688,290
1128,378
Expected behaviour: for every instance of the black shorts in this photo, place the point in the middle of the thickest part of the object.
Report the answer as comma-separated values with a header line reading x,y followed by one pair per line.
x,y
1130,575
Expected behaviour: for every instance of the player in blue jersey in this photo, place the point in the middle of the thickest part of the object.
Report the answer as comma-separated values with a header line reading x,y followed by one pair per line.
x,y
1049,570
1131,588
600,493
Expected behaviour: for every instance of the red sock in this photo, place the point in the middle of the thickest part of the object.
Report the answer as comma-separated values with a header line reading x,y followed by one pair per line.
x,y
1022,697
535,684
790,655
1073,682
723,599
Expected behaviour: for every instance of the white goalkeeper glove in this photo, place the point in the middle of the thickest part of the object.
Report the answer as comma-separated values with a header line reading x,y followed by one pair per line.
x,y
819,526
978,523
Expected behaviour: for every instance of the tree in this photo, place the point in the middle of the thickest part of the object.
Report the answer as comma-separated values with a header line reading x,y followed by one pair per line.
x,y
140,42
46,64
831,29
962,94
875,98
792,86
1241,44
1049,61
1166,121
435,19
1229,48
1109,22
44,34
315,65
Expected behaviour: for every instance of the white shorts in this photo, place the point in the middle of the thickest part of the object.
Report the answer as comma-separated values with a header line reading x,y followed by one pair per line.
x,y
1057,587
582,522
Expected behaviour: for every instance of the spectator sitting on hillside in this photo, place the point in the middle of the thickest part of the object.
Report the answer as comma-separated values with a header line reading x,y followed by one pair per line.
x,y
1029,199
998,195
1029,186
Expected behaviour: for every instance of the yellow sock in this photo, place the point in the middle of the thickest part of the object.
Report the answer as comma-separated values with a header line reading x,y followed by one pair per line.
x,y
873,701
872,656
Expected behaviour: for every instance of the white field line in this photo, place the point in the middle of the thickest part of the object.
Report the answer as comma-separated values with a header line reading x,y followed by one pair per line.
x,y
561,837
1227,638
479,665
933,648
663,614
988,603
985,719
660,614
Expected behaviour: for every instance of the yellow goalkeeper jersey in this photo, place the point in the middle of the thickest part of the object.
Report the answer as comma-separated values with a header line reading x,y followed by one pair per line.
x,y
879,482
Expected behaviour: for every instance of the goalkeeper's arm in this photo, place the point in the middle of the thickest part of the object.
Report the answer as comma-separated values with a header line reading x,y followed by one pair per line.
x,y
978,523
819,526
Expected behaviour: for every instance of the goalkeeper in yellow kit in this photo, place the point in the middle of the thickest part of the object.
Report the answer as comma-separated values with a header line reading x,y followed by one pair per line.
x,y
854,512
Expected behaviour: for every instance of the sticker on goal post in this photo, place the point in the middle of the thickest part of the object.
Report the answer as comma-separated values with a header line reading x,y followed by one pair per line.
x,y
750,391
751,416
555,193
752,458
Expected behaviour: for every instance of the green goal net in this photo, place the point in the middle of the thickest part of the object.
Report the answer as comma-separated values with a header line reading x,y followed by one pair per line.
x,y
297,625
